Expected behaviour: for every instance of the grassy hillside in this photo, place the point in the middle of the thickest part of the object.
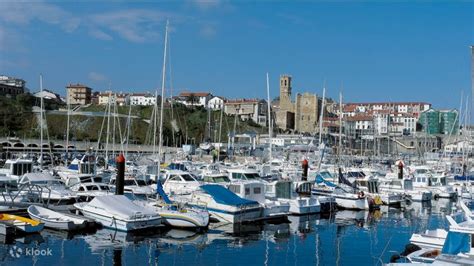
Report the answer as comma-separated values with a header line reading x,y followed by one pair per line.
x,y
181,124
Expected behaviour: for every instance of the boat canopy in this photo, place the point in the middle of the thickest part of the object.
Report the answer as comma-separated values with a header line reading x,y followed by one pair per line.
x,y
224,196
120,206
161,192
456,243
320,179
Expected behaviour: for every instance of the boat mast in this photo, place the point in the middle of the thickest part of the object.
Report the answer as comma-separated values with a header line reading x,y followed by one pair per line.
x,y
220,128
160,142
269,120
321,116
340,127
41,122
67,130
108,131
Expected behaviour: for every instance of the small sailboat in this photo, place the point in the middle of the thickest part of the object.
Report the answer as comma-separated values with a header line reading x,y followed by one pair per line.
x,y
24,224
56,220
179,215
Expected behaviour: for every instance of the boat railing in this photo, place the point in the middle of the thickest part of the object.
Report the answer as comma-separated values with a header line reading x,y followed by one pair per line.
x,y
9,196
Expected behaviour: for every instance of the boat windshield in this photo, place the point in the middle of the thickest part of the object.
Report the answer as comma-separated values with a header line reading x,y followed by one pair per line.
x,y
251,175
141,182
106,188
129,182
221,179
326,175
421,171
187,177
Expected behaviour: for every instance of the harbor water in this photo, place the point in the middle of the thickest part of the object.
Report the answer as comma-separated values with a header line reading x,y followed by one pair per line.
x,y
341,238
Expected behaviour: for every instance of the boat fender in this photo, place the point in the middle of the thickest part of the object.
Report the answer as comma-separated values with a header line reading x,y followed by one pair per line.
x,y
410,248
394,258
378,200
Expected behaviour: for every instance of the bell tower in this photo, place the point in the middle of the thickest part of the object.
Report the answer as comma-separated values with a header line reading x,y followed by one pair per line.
x,y
285,93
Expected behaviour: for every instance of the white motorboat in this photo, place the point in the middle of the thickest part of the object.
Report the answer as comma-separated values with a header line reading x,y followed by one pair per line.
x,y
120,213
424,178
16,168
87,191
134,186
224,205
57,220
48,188
179,214
179,182
344,199
285,191
430,239
255,190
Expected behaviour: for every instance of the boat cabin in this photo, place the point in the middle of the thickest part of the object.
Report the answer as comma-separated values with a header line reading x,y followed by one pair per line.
x,y
243,174
216,178
249,190
17,167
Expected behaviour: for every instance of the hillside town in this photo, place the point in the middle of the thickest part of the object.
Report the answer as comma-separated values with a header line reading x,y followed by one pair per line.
x,y
365,127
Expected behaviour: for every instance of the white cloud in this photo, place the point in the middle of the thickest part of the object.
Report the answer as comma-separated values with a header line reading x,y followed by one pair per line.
x,y
99,34
95,76
135,25
207,4
23,13
207,31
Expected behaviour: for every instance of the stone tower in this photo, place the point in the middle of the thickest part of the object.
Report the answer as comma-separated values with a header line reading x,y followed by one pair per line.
x,y
285,93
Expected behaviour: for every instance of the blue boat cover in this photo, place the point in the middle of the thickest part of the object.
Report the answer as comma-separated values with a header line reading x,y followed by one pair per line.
x,y
464,178
344,180
73,167
224,196
161,192
177,166
456,243
320,179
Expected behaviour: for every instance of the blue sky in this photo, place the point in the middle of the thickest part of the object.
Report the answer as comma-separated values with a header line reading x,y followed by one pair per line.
x,y
372,51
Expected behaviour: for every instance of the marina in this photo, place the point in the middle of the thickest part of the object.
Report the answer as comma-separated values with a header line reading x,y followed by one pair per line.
x,y
112,153
341,238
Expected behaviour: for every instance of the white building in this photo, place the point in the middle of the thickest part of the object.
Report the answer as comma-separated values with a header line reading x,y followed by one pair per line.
x,y
248,109
215,103
142,99
120,99
460,146
194,98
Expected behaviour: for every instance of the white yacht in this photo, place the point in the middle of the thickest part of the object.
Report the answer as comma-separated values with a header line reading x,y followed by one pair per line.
x,y
344,198
179,182
119,213
89,190
424,178
49,189
16,168
224,205
134,186
391,183
286,191
255,190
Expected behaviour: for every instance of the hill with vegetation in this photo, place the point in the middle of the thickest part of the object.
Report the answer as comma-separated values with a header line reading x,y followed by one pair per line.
x,y
182,125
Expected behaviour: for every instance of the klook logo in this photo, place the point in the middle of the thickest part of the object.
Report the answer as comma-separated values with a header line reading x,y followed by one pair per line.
x,y
17,252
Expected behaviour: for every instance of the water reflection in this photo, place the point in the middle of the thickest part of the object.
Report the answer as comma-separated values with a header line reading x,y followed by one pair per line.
x,y
337,239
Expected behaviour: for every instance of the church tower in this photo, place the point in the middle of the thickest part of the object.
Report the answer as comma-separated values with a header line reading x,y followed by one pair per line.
x,y
285,93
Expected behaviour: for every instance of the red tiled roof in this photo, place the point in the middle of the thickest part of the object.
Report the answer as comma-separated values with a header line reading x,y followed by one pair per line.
x,y
389,103
237,101
197,94
359,118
